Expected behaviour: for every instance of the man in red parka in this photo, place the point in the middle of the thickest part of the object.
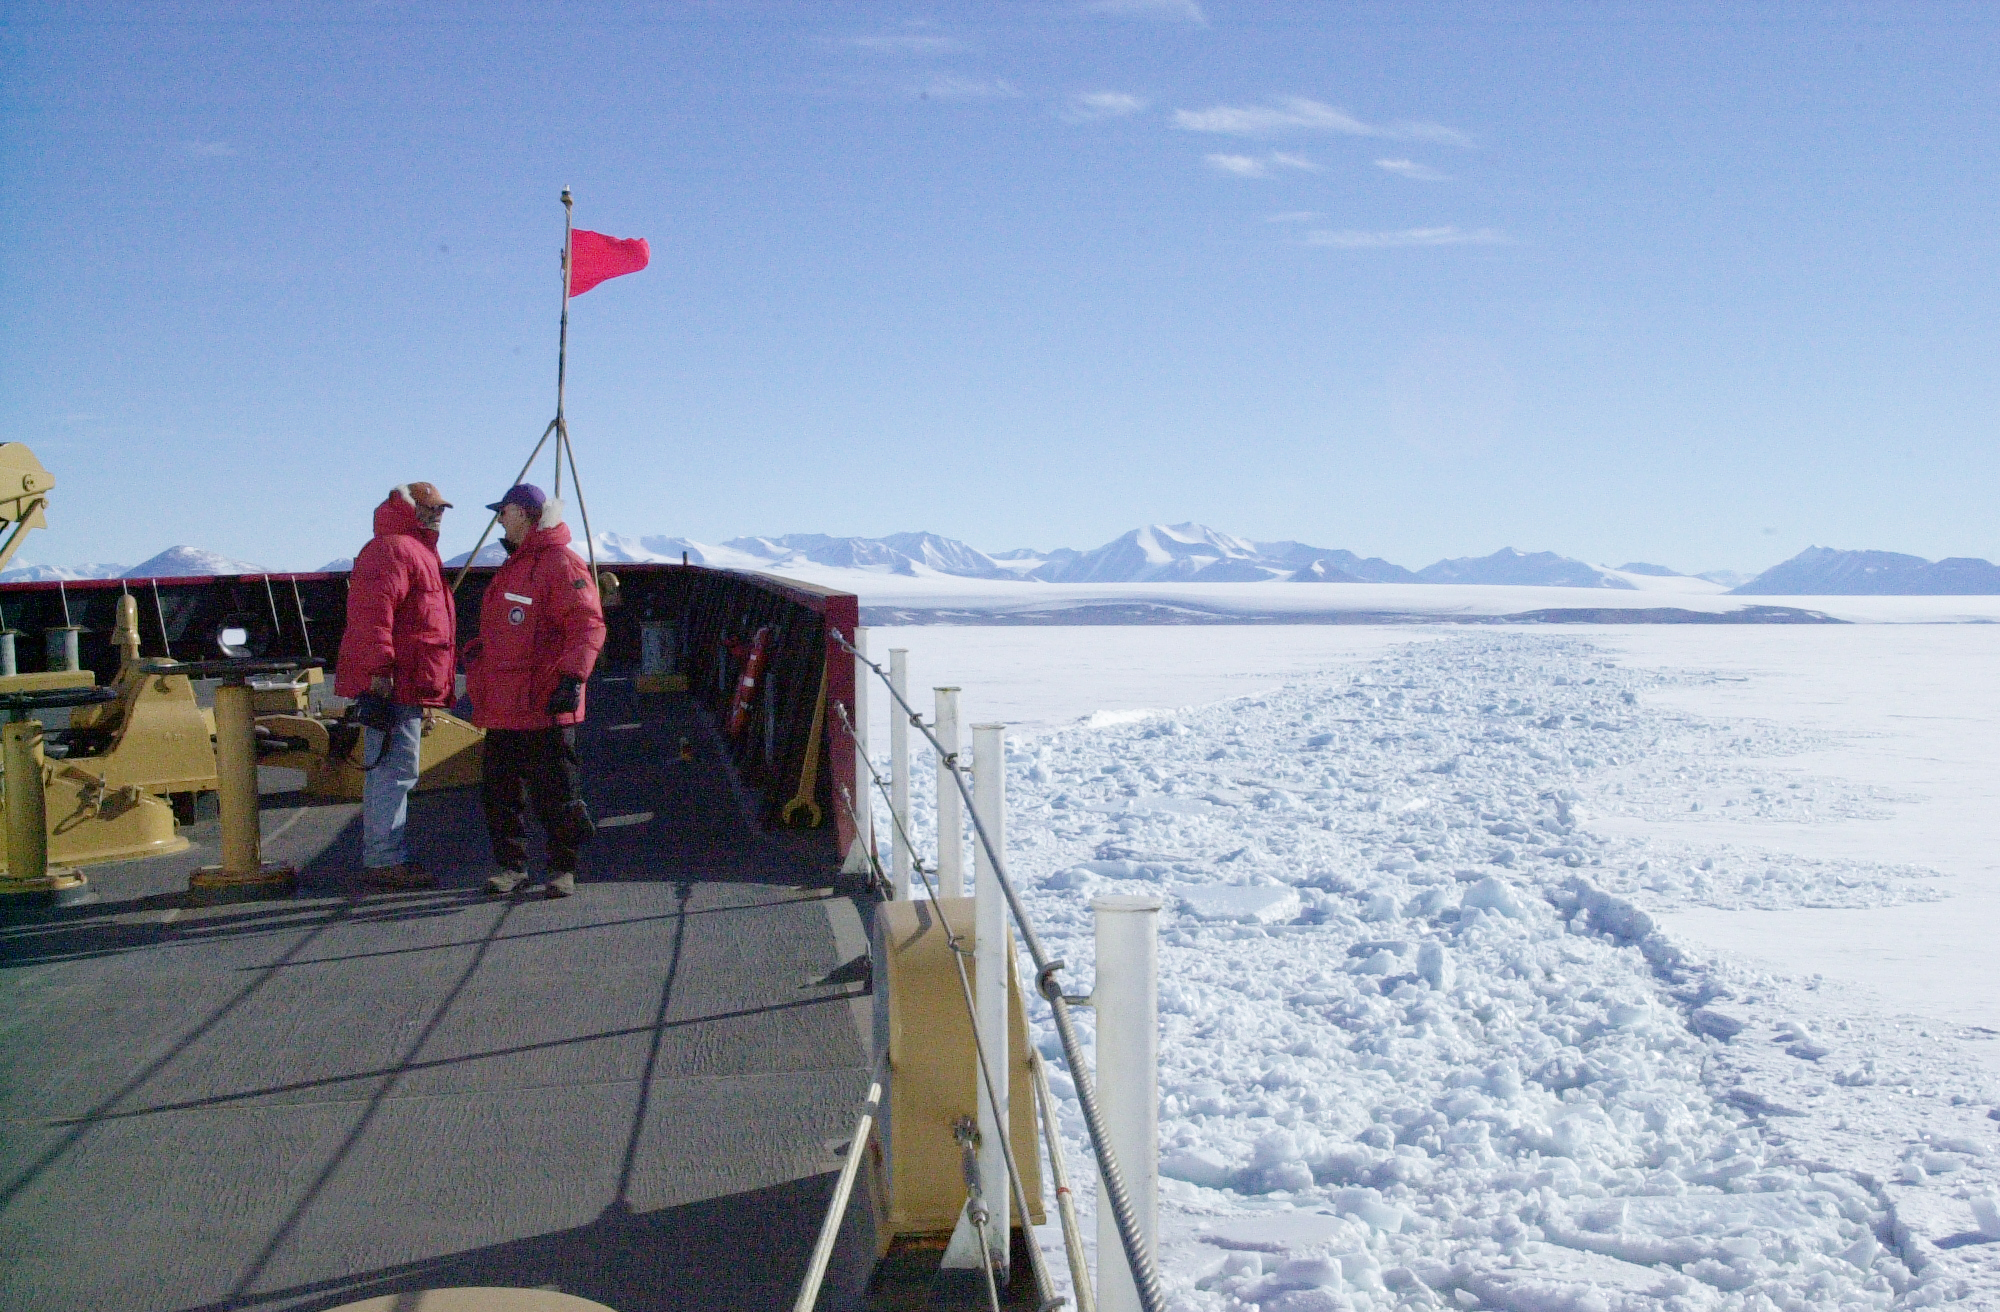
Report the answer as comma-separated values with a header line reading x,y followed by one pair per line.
x,y
540,629
401,631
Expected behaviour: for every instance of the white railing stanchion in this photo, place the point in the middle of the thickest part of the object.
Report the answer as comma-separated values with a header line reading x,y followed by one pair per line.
x,y
950,802
990,953
860,859
1134,1236
1127,1000
899,772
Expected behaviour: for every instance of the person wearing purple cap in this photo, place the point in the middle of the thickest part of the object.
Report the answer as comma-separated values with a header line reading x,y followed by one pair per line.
x,y
541,628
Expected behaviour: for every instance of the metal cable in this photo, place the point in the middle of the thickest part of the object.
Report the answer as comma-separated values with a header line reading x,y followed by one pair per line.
x,y
1138,1255
277,625
305,630
576,481
159,608
975,1203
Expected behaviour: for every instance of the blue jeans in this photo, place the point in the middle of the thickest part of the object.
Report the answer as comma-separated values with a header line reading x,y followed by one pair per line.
x,y
385,791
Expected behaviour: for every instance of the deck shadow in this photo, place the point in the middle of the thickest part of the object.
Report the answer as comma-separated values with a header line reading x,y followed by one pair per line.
x,y
746,1252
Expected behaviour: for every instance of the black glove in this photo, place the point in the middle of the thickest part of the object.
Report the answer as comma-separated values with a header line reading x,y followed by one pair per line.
x,y
567,696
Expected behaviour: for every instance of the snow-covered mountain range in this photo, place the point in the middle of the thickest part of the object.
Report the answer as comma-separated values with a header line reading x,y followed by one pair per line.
x,y
173,563
1183,553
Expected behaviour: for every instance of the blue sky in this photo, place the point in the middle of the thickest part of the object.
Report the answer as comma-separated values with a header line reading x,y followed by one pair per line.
x,y
1699,285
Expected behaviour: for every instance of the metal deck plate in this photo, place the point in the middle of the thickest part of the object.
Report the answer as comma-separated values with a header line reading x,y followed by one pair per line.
x,y
626,1096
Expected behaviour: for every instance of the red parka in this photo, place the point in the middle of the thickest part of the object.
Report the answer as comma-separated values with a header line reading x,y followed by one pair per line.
x,y
539,621
400,617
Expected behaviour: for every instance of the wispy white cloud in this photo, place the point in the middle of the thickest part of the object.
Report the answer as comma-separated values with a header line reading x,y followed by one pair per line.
x,y
949,86
1260,166
1085,107
1298,114
1409,168
208,149
1353,240
1174,11
908,44
1243,166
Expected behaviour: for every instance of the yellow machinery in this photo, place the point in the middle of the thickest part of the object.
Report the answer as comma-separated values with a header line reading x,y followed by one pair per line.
x,y
933,1074
24,495
330,751
54,811
81,813
154,737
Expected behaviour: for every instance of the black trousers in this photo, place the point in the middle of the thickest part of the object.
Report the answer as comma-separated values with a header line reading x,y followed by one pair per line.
x,y
537,764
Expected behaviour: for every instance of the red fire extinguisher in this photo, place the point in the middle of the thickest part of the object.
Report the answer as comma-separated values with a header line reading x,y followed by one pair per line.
x,y
746,687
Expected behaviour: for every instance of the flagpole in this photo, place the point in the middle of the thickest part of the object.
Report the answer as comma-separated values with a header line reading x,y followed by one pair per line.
x,y
563,447
562,350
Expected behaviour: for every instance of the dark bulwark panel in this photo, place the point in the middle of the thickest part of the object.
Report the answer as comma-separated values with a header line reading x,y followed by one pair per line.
x,y
629,1095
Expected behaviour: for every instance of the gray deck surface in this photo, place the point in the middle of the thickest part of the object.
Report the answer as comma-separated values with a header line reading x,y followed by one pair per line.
x,y
630,1095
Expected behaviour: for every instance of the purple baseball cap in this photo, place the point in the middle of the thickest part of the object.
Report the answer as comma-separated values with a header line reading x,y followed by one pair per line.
x,y
525,495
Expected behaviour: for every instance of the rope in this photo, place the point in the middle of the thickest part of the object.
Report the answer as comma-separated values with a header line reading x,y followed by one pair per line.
x,y
1138,1256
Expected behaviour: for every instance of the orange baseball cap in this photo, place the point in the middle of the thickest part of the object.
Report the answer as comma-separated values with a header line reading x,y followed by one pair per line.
x,y
427,496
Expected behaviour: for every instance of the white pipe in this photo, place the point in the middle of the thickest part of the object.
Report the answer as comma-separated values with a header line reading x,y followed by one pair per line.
x,y
950,802
836,1209
1126,997
861,858
991,949
899,772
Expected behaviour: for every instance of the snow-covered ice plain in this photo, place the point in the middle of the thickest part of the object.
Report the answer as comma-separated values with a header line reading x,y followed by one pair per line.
x,y
1564,968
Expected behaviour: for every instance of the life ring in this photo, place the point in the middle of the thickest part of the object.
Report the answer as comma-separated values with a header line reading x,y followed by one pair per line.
x,y
746,687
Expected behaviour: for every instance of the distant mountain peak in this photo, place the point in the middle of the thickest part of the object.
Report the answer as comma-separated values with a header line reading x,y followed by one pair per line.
x,y
1521,568
188,562
1831,572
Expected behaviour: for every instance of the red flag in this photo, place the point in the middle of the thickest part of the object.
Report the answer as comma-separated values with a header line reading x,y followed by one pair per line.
x,y
593,257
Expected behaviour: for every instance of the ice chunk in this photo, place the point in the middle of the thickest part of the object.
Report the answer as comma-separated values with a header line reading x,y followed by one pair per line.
x,y
1723,1228
1625,1015
1316,1272
1367,1207
1380,907
1715,1024
1281,1232
1264,906
1434,964
1202,1166
1492,895
1986,1214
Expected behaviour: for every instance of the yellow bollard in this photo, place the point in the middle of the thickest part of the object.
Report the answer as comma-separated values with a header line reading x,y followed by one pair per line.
x,y
29,875
243,872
